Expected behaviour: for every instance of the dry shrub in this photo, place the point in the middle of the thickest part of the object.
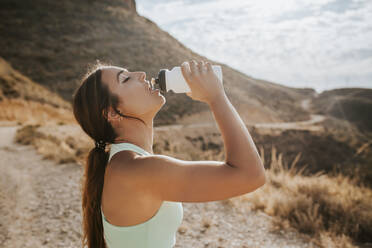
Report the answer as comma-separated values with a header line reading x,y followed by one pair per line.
x,y
26,135
49,146
330,240
318,205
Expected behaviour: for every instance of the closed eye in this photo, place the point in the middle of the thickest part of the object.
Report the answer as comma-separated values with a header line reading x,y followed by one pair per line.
x,y
126,79
123,78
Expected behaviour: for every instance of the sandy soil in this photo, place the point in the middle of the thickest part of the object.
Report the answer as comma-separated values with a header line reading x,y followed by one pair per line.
x,y
40,207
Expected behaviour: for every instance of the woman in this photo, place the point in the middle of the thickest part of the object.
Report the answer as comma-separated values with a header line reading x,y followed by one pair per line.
x,y
132,197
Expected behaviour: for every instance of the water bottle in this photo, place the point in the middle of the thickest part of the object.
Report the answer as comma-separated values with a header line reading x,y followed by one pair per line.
x,y
173,80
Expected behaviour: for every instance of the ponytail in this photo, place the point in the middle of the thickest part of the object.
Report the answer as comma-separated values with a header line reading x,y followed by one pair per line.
x,y
91,198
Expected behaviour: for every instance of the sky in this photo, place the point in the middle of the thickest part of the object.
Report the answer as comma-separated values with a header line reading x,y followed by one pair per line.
x,y
321,44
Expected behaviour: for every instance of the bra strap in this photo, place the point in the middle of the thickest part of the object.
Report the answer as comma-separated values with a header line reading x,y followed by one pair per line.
x,y
126,146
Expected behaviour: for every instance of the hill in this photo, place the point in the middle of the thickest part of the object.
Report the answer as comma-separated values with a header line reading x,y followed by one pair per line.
x,y
63,37
24,101
351,104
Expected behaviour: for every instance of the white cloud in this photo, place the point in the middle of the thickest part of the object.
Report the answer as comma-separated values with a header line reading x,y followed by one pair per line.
x,y
318,43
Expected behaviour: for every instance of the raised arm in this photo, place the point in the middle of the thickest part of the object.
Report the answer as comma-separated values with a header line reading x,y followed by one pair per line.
x,y
172,179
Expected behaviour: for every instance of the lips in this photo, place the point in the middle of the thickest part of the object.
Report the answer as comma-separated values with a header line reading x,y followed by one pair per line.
x,y
148,85
151,85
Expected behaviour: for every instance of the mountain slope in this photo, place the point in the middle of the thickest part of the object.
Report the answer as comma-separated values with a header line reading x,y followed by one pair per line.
x,y
52,42
25,101
351,104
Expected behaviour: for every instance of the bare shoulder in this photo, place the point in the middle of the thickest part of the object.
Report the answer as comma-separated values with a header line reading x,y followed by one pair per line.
x,y
119,165
121,197
120,178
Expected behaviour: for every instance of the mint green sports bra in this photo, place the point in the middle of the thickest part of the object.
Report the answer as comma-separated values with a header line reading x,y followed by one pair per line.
x,y
157,232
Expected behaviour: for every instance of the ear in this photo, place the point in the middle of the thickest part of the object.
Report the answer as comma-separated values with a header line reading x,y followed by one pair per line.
x,y
111,114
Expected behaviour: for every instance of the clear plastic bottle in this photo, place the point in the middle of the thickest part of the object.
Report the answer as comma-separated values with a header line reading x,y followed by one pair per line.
x,y
173,80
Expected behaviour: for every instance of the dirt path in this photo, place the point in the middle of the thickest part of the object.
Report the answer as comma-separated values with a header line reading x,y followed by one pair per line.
x,y
39,199
310,124
40,207
299,125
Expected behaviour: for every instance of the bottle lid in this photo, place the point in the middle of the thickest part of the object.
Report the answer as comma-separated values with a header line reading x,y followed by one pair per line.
x,y
160,82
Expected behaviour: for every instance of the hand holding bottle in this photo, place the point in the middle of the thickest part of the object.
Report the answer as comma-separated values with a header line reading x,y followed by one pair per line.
x,y
205,86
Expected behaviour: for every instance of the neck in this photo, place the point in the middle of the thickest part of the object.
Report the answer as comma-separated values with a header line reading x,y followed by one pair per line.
x,y
136,132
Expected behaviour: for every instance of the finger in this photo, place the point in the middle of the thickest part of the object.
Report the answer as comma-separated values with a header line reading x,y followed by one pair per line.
x,y
209,66
203,67
193,68
185,69
200,67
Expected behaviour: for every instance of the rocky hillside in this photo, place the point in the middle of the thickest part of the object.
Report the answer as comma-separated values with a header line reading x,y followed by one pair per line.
x,y
351,104
24,101
52,42
14,85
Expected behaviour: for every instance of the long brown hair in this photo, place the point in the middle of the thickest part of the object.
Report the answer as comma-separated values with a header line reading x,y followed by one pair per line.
x,y
90,103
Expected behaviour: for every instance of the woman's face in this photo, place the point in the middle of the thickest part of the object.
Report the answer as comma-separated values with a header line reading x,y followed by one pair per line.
x,y
133,90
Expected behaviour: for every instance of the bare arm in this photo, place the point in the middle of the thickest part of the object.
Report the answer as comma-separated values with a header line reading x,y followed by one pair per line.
x,y
240,149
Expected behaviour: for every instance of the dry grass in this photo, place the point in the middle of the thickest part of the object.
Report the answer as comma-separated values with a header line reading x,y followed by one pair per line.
x,y
332,152
333,210
15,85
26,102
32,112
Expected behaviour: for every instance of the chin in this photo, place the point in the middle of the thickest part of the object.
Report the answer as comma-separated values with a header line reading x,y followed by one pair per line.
x,y
163,99
157,106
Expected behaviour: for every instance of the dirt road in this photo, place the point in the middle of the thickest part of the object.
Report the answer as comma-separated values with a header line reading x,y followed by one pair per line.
x,y
311,124
39,204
